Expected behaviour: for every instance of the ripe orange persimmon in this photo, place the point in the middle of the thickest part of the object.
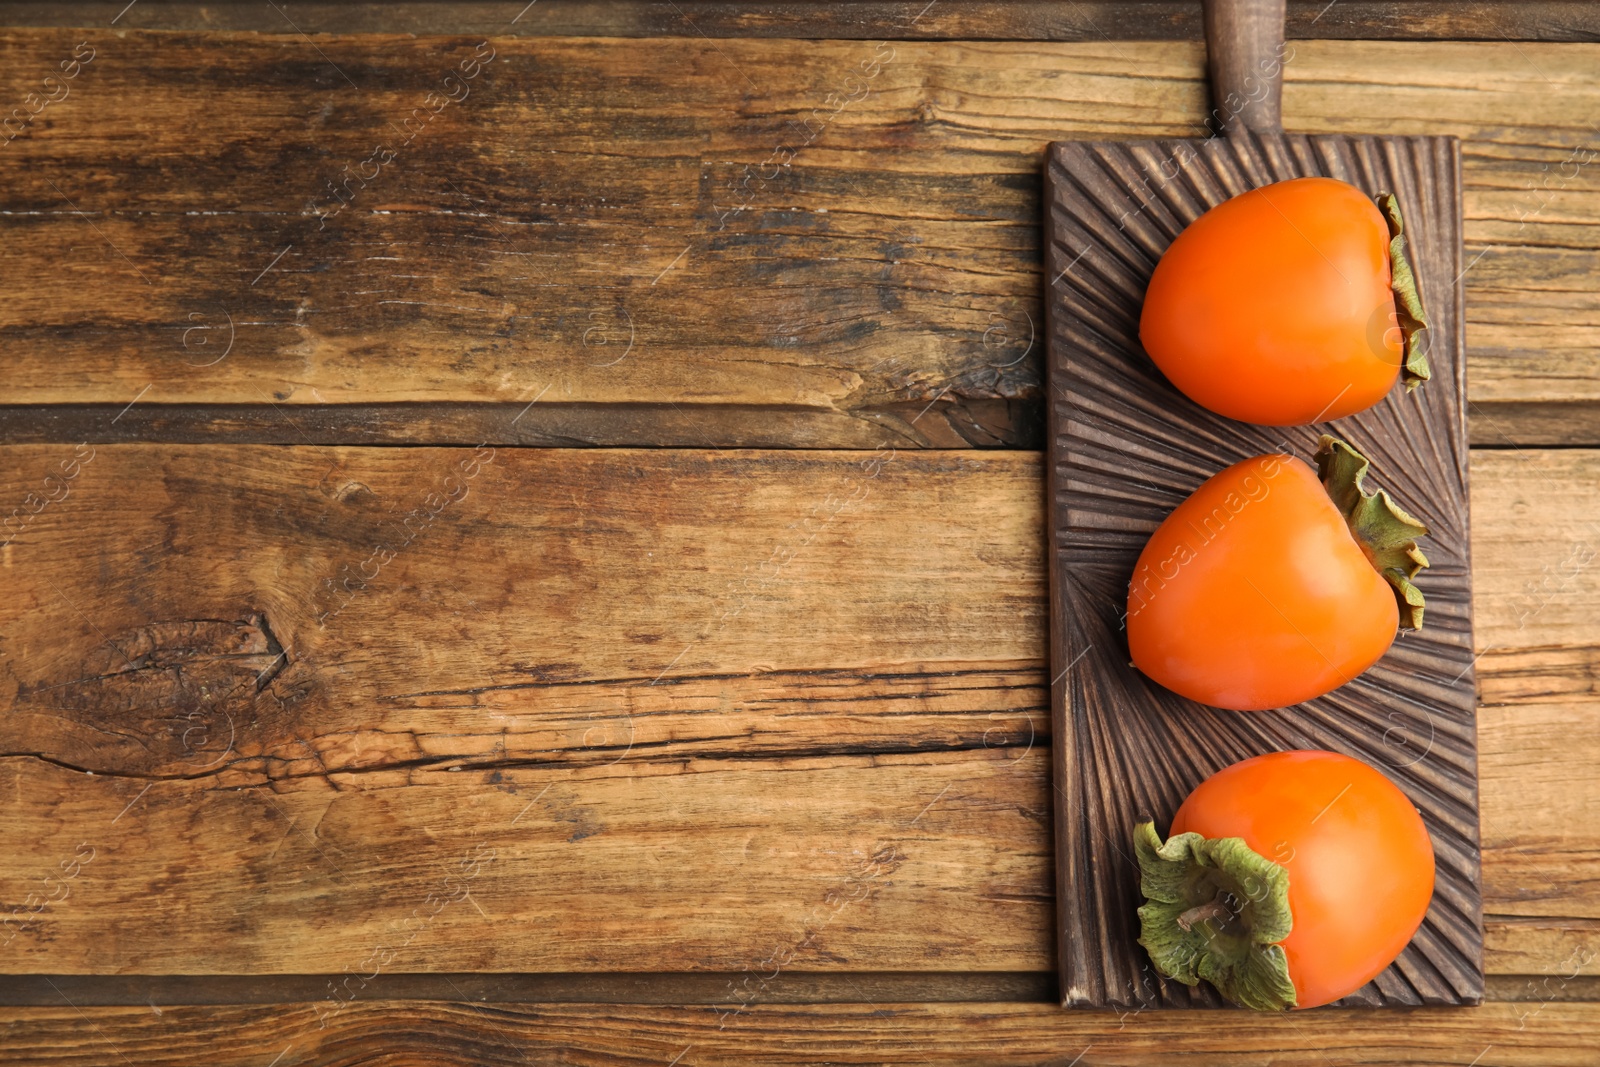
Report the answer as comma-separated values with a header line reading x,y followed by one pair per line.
x,y
1289,880
1287,304
1268,587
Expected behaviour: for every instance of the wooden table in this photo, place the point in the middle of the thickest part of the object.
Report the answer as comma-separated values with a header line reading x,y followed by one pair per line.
x,y
528,543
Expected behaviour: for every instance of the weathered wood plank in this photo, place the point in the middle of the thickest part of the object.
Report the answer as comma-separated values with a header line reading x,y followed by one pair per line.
x,y
555,603
889,265
663,266
1082,20
290,744
1549,1034
706,653
841,862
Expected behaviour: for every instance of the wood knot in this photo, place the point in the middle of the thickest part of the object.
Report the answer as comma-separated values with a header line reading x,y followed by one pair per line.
x,y
172,697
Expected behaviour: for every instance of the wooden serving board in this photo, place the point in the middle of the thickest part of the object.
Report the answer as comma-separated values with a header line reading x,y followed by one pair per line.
x,y
1125,447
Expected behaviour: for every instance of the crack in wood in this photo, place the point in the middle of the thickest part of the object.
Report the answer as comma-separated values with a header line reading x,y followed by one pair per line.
x,y
846,675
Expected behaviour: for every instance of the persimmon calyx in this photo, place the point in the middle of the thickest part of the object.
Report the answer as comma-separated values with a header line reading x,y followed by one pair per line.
x,y
1387,533
1215,909
1407,301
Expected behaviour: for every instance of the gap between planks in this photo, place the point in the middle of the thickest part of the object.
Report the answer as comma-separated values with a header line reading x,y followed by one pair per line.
x,y
945,423
1031,987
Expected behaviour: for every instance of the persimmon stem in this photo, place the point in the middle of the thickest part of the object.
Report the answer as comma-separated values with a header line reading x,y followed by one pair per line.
x,y
1214,909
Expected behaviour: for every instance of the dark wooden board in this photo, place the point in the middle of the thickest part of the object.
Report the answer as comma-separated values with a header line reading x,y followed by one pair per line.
x,y
1019,20
1125,448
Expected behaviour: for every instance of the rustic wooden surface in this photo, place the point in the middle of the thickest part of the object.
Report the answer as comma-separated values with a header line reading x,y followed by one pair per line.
x,y
898,255
839,792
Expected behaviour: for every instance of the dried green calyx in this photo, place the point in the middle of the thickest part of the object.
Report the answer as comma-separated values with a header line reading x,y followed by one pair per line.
x,y
1381,526
1215,909
1407,301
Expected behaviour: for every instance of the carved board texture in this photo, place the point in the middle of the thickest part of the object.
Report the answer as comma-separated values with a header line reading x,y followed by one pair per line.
x,y
1125,448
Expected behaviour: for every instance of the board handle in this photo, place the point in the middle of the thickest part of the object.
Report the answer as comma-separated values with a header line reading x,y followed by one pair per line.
x,y
1245,54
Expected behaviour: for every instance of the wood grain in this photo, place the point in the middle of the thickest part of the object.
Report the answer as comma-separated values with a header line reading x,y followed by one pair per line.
x,y
1528,801
1543,1034
613,597
626,618
879,289
732,865
1537,557
919,665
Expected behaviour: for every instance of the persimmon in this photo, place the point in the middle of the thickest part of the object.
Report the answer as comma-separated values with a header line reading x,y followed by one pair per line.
x,y
1273,584
1288,880
1288,304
